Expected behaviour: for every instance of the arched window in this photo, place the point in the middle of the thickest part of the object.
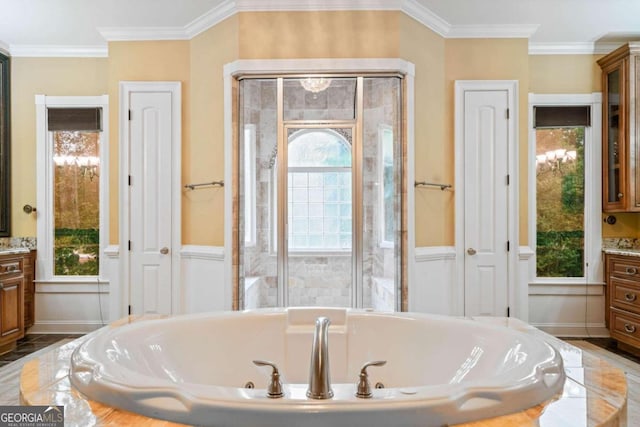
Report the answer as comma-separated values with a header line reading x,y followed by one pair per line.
x,y
319,191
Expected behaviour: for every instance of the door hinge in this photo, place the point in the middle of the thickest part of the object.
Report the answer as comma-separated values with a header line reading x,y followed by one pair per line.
x,y
507,115
508,246
129,244
129,115
508,311
508,179
129,310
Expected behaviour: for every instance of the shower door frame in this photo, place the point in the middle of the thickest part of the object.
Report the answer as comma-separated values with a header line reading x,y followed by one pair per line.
x,y
356,201
383,67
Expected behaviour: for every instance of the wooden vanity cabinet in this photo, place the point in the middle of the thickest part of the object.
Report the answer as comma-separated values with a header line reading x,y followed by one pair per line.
x,y
11,301
621,129
623,300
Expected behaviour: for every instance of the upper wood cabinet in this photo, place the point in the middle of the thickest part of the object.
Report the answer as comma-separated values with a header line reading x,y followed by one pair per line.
x,y
620,129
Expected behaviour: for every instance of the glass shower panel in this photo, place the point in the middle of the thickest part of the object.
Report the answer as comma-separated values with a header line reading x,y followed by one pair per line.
x,y
257,150
381,193
319,216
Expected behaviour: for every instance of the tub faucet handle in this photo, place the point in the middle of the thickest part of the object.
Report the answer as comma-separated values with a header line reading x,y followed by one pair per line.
x,y
274,390
364,388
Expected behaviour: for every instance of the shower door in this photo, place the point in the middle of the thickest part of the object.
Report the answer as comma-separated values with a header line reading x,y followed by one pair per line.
x,y
320,230
319,192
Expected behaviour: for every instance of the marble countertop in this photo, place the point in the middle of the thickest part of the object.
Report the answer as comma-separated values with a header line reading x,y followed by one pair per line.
x,y
619,251
13,251
595,393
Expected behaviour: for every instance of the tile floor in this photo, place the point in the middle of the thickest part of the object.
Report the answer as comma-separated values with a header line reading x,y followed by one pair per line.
x,y
609,344
32,343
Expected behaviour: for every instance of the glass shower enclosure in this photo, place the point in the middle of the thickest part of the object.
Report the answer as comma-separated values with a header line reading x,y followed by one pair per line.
x,y
319,194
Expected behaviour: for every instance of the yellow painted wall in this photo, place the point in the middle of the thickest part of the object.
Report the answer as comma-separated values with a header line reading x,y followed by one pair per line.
x,y
564,74
45,76
433,161
493,59
203,157
341,34
152,60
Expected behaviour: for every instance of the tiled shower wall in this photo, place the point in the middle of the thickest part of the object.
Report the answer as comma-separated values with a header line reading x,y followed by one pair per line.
x,y
320,279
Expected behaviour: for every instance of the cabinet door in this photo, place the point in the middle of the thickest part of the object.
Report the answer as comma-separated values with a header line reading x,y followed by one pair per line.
x,y
11,319
614,167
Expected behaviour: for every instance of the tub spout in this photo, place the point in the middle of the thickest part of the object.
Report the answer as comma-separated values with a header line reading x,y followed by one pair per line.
x,y
319,373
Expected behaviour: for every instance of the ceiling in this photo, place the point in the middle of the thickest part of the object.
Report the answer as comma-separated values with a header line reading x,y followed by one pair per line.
x,y
553,26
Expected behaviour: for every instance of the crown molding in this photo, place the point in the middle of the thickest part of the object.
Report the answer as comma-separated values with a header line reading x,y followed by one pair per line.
x,y
119,34
213,17
586,48
505,31
426,17
228,8
4,48
561,48
315,5
58,51
604,48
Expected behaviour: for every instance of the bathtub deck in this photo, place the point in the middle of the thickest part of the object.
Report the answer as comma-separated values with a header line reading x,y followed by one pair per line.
x,y
595,393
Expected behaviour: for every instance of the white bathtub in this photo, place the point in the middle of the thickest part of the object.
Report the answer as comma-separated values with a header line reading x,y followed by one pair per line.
x,y
193,369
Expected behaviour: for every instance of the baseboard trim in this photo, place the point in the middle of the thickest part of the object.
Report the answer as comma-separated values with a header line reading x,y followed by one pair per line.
x,y
62,327
574,330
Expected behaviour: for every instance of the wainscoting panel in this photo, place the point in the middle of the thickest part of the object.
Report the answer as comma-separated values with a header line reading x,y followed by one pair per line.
x,y
434,283
203,281
70,307
558,308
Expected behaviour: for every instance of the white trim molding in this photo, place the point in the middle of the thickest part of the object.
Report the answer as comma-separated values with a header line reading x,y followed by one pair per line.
x,y
44,192
578,48
516,300
59,51
593,185
210,253
228,8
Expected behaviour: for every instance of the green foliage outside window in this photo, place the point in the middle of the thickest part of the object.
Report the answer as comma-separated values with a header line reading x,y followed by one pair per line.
x,y
76,252
560,202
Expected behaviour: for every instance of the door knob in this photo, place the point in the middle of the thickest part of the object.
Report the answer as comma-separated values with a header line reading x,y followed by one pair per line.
x,y
471,251
164,250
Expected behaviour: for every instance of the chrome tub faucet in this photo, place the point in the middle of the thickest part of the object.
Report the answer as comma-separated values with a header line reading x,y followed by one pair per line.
x,y
319,372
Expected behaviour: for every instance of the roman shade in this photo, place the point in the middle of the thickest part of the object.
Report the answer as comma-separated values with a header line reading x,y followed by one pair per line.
x,y
571,116
74,119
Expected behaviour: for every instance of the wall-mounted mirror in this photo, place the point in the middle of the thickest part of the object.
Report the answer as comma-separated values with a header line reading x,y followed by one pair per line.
x,y
5,160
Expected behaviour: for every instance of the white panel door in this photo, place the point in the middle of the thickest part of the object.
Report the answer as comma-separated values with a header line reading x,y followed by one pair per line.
x,y
150,202
486,148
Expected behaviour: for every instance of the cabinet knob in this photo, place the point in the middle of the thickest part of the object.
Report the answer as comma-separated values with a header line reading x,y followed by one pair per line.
x,y
629,328
620,195
631,270
629,297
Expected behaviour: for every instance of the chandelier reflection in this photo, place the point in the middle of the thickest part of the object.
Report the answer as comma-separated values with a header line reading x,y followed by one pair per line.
x,y
88,166
315,84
